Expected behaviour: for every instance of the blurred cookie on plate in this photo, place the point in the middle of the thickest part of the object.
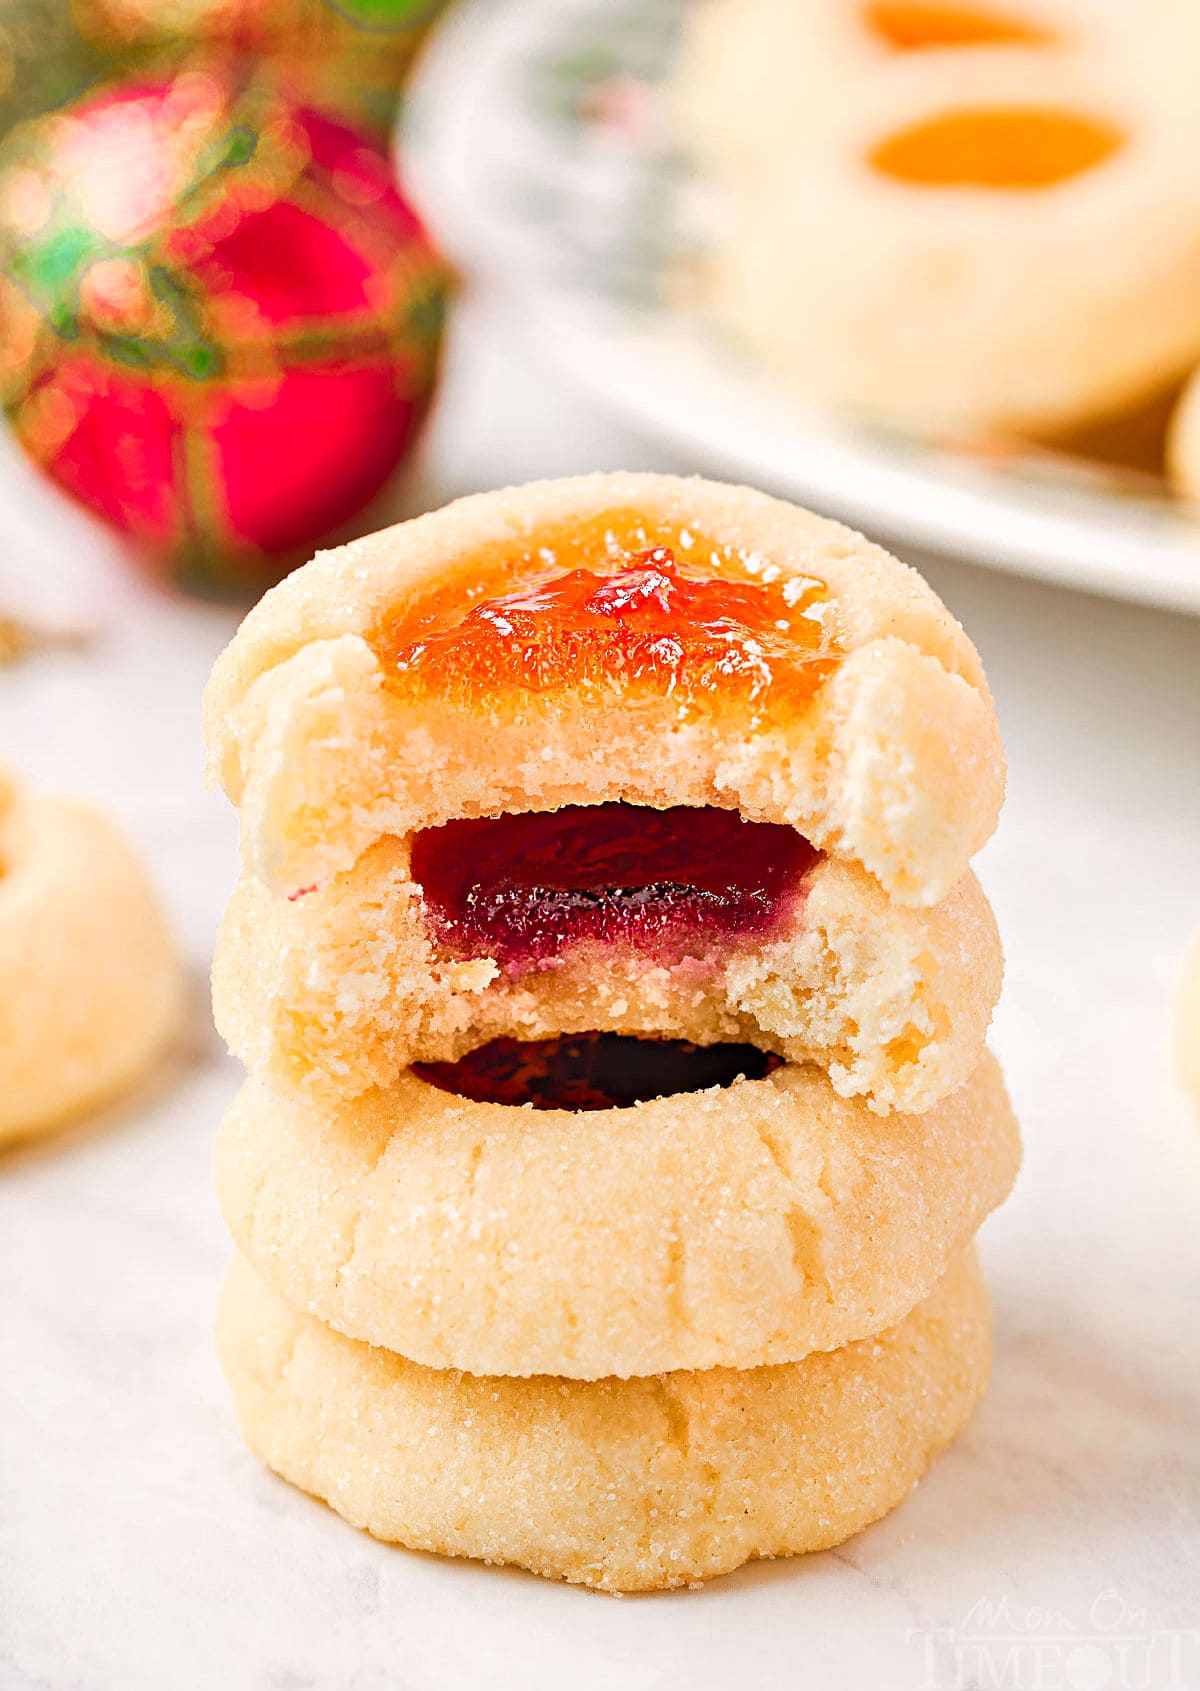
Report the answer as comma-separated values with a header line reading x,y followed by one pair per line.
x,y
1005,236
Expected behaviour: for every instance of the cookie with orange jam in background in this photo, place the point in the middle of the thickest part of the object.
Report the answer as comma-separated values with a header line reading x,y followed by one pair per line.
x,y
964,217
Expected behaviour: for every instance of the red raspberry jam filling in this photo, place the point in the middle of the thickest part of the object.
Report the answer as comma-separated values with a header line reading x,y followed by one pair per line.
x,y
593,1071
523,888
611,608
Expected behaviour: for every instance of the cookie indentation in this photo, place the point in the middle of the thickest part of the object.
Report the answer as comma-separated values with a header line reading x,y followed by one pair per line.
x,y
611,609
1018,147
593,1071
911,26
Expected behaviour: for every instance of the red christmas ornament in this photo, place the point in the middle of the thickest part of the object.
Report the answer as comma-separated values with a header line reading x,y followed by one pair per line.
x,y
221,319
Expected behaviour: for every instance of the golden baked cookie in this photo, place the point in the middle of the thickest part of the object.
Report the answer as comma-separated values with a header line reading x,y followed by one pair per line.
x,y
90,984
1001,238
743,1224
752,78
781,65
344,988
624,1485
634,639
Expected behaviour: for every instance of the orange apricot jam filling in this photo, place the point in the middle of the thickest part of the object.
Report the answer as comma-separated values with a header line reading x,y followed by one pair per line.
x,y
613,606
1019,147
593,1071
909,26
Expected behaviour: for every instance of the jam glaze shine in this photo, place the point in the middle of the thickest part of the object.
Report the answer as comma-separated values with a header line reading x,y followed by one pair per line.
x,y
610,609
523,888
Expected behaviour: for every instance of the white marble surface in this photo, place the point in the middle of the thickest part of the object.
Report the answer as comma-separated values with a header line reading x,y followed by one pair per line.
x,y
141,1549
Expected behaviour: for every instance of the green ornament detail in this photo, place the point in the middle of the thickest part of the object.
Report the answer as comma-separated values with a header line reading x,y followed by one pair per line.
x,y
51,271
386,14
187,350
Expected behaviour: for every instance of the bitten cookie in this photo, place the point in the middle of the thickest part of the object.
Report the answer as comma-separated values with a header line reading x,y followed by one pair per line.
x,y
738,1225
90,985
638,639
386,964
622,1485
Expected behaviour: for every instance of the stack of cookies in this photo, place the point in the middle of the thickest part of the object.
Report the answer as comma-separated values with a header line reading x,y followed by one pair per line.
x,y
613,986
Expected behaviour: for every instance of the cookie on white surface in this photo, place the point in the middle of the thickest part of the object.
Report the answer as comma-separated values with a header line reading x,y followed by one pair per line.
x,y
623,1485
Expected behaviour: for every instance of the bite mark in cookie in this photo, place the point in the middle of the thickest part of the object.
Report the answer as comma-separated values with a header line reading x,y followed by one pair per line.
x,y
875,738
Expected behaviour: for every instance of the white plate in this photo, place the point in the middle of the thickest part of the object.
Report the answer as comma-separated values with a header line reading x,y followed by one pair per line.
x,y
532,145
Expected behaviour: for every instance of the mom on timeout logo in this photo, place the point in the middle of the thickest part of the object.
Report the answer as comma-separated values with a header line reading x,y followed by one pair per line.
x,y
1110,1647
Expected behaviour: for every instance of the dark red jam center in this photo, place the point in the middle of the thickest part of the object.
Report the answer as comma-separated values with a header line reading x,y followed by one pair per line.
x,y
593,1071
522,888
